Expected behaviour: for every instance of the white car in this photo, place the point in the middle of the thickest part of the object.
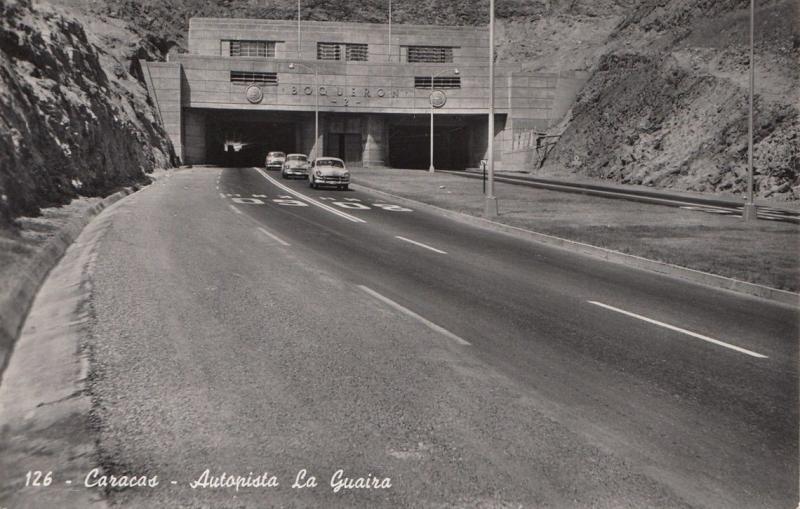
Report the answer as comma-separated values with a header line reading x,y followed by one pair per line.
x,y
296,165
275,160
329,171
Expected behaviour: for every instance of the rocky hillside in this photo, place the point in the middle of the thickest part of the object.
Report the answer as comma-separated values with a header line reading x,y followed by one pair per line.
x,y
667,103
75,121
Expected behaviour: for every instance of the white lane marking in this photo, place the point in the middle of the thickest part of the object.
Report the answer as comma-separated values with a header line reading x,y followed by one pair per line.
x,y
273,237
235,209
406,311
684,331
308,199
420,244
221,195
248,201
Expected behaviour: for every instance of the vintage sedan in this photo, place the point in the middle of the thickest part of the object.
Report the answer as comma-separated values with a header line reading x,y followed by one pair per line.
x,y
296,165
275,160
329,171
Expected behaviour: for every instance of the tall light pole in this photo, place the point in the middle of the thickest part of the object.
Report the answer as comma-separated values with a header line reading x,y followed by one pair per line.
x,y
299,51
490,201
749,213
430,99
389,50
316,105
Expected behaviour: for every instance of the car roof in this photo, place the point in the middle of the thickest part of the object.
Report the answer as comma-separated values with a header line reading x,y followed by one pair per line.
x,y
287,155
330,159
275,152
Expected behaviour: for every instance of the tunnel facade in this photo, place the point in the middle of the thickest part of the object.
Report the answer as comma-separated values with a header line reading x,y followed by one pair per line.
x,y
362,92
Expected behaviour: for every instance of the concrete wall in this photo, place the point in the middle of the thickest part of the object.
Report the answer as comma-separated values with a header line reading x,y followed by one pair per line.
x,y
344,87
165,86
538,102
470,44
191,87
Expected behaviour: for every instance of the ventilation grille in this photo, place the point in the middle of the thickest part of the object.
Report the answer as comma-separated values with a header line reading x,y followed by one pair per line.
x,y
430,54
438,82
252,77
264,49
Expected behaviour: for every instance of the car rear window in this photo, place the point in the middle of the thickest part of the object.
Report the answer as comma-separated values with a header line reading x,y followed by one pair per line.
x,y
330,162
276,154
297,158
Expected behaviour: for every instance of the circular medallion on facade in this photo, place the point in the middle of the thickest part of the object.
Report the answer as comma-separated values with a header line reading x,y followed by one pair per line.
x,y
254,94
438,98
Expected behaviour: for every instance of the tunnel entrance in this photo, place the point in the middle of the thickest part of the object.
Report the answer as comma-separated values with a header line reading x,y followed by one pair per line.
x,y
409,144
245,141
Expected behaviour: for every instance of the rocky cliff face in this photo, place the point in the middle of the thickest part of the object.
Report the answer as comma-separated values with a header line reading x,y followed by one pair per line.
x,y
667,103
73,120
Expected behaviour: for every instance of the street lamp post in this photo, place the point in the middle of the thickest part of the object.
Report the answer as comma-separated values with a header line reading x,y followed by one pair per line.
x,y
430,99
490,201
316,104
299,41
749,213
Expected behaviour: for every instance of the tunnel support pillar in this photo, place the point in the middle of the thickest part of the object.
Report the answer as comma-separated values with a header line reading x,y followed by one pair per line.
x,y
375,141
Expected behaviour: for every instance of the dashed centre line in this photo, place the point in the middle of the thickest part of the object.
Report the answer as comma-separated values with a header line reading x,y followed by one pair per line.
x,y
437,328
682,331
308,199
420,244
273,237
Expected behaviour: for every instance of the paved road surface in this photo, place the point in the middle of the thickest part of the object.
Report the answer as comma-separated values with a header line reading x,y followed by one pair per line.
x,y
246,324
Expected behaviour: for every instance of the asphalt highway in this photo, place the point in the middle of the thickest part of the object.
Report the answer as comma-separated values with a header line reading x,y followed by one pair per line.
x,y
244,323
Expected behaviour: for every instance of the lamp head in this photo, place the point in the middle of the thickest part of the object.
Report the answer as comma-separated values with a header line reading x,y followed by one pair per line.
x,y
291,65
456,71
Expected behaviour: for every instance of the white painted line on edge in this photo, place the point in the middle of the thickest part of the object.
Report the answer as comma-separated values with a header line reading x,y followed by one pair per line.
x,y
310,200
406,311
235,209
273,237
420,244
221,195
684,331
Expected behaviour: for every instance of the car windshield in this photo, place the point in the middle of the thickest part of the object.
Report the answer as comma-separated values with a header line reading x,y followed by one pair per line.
x,y
297,158
330,162
276,154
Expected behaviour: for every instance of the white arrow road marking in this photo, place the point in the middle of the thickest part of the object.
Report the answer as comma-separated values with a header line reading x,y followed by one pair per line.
x,y
683,331
273,237
308,199
406,311
420,244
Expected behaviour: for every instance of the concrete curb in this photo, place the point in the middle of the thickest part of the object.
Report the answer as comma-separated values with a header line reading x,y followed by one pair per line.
x,y
695,276
15,306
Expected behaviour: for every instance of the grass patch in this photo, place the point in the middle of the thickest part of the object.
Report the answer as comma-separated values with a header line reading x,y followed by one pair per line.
x,y
763,252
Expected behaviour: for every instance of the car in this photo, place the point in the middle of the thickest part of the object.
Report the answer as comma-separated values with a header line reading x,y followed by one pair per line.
x,y
329,171
275,160
296,165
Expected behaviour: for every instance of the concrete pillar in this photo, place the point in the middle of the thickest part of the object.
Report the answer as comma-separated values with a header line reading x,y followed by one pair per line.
x,y
305,136
376,141
194,141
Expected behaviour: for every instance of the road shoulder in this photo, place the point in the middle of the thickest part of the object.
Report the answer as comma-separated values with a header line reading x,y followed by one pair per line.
x,y
46,409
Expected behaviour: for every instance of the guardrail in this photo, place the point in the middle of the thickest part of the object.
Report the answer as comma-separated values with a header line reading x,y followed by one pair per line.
x,y
711,205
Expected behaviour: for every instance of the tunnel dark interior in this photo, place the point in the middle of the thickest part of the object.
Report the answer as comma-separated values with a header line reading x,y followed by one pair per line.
x,y
409,146
245,143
